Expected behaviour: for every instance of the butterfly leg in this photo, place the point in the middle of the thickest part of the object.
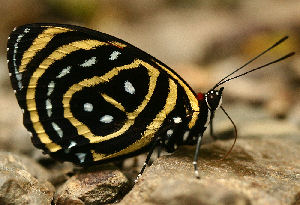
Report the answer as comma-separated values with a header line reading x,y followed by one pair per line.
x,y
196,155
160,147
211,130
147,159
158,150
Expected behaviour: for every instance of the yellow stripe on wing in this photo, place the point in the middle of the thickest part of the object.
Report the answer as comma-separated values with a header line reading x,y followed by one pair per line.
x,y
31,104
192,99
39,43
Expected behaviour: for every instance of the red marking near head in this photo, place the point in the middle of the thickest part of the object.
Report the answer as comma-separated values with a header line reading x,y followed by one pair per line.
x,y
200,96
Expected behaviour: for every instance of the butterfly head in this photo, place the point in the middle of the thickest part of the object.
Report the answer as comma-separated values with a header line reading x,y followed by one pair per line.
x,y
213,98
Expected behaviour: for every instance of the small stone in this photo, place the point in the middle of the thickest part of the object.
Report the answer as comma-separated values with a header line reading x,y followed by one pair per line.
x,y
23,181
96,185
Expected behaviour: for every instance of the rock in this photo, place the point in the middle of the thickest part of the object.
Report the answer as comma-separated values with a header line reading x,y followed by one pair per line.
x,y
260,170
60,172
96,185
23,181
195,193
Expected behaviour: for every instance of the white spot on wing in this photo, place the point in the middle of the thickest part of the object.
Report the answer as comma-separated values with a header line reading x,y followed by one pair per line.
x,y
72,144
51,86
64,72
49,107
88,107
114,55
177,120
129,87
89,62
18,75
81,157
169,133
20,37
20,85
57,129
106,119
48,104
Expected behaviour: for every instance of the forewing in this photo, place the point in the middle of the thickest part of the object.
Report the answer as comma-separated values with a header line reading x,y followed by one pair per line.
x,y
88,96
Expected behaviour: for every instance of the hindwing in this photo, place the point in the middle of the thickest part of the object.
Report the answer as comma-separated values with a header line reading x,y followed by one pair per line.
x,y
88,96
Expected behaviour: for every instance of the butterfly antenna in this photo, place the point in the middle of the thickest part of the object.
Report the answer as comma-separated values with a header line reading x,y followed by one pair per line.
x,y
251,60
260,67
235,131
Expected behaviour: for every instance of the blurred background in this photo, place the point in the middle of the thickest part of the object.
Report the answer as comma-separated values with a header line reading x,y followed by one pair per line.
x,y
201,40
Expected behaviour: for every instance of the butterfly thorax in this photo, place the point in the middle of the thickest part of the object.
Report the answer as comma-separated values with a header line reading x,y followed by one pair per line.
x,y
183,135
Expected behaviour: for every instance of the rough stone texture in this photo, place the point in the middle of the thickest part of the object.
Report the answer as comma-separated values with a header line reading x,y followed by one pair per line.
x,y
263,168
97,185
23,181
189,192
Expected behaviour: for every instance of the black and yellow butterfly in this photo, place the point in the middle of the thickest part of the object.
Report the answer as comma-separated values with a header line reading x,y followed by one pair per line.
x,y
88,97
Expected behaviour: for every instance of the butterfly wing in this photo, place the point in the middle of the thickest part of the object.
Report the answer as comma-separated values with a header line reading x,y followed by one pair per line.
x,y
88,96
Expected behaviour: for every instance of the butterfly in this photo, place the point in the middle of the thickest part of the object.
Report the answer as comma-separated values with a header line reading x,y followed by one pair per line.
x,y
88,97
